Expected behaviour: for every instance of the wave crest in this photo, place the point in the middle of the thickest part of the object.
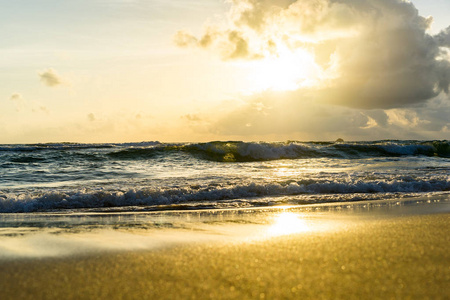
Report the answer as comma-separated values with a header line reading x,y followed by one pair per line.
x,y
262,151
235,151
150,197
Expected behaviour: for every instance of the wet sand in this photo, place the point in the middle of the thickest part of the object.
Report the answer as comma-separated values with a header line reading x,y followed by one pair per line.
x,y
401,256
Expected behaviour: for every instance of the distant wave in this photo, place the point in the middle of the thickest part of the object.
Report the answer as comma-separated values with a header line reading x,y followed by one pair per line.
x,y
49,200
268,151
69,146
262,151
237,151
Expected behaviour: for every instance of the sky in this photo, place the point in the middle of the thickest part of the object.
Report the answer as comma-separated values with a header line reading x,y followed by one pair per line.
x,y
191,71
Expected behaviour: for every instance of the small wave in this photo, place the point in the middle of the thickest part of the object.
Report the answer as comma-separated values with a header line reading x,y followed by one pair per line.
x,y
27,159
427,149
71,146
138,153
50,201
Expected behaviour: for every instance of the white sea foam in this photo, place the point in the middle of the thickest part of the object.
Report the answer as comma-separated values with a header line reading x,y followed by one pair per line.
x,y
45,177
141,197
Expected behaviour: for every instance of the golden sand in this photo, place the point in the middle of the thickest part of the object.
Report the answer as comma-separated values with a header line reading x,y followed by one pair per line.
x,y
376,258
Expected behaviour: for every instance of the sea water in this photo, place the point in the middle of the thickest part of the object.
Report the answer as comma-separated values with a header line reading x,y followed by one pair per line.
x,y
154,176
74,199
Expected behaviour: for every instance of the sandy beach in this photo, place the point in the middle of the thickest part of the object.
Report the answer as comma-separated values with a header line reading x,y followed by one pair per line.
x,y
399,253
225,149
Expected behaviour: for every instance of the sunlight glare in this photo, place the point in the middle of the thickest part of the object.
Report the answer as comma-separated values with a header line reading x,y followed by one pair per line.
x,y
286,71
288,223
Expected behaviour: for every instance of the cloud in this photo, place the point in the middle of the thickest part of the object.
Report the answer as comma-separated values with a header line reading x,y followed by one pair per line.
x,y
280,115
18,100
240,45
443,38
192,117
16,97
91,117
371,54
231,44
50,78
39,108
184,39
24,105
371,123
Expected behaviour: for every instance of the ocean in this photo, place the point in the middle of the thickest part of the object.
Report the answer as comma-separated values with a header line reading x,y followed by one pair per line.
x,y
154,176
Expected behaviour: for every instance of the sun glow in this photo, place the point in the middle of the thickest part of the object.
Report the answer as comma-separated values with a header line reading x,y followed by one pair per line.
x,y
286,71
288,223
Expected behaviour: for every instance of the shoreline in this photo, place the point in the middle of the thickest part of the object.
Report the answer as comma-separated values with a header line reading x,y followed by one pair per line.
x,y
46,235
420,199
393,254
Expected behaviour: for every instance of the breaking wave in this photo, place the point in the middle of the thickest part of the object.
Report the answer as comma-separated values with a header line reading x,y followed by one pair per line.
x,y
58,200
262,151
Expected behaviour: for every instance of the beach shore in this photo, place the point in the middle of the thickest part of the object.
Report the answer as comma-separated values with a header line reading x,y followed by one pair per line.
x,y
361,256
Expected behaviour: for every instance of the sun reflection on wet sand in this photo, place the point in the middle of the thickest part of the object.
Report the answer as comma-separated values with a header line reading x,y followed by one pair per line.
x,y
288,223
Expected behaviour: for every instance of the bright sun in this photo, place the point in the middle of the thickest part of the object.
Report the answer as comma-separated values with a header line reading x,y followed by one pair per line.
x,y
287,71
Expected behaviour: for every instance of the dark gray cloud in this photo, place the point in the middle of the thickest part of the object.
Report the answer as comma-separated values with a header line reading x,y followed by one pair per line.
x,y
391,63
443,38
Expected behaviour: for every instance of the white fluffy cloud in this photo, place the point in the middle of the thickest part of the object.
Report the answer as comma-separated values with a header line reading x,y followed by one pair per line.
x,y
373,54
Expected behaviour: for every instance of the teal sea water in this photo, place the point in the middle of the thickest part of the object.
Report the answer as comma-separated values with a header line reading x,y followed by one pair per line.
x,y
153,176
